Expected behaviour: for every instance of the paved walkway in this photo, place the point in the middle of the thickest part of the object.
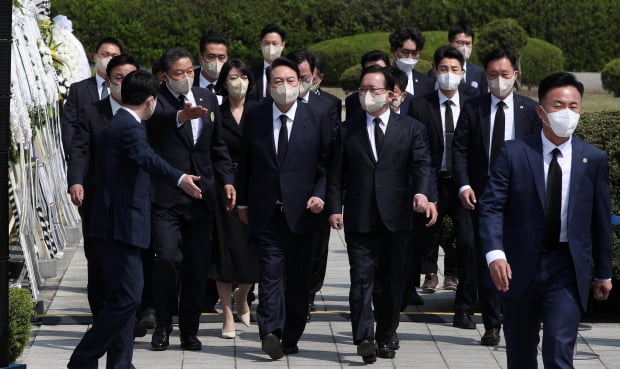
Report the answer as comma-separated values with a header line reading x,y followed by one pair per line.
x,y
427,338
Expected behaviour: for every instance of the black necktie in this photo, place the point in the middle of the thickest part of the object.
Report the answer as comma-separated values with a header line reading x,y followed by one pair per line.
x,y
282,139
498,131
181,102
378,135
211,87
449,121
553,203
104,91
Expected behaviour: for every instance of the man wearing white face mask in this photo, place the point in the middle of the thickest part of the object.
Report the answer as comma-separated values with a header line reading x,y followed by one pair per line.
x,y
285,151
439,111
484,124
213,54
186,131
385,161
87,91
272,42
406,45
544,223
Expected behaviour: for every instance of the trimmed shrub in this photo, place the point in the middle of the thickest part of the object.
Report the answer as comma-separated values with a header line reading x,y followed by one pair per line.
x,y
601,130
538,60
21,309
610,75
350,78
505,33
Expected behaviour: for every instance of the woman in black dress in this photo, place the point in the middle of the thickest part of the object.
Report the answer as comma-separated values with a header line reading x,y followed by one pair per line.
x,y
234,256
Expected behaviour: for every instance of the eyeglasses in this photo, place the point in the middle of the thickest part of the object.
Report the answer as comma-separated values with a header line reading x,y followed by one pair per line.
x,y
463,43
373,90
407,52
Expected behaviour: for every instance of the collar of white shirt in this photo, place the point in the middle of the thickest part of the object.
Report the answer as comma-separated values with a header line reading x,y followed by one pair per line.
x,y
133,114
508,100
385,117
290,114
443,98
548,146
114,105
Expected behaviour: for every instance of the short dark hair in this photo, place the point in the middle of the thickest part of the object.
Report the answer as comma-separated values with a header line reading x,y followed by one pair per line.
x,y
373,56
173,54
271,28
400,78
389,79
300,56
157,66
319,62
108,40
121,59
212,37
137,86
398,37
455,30
449,52
556,80
282,62
500,53
220,85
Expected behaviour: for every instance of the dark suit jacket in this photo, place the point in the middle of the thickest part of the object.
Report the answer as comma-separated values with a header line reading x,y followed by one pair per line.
x,y
257,71
207,158
512,212
82,93
472,137
92,119
231,131
355,175
334,99
301,176
125,162
475,77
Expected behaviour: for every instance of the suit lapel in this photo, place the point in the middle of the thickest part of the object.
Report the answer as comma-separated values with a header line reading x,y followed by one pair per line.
x,y
359,125
436,117
485,124
579,162
94,89
535,159
391,133
185,131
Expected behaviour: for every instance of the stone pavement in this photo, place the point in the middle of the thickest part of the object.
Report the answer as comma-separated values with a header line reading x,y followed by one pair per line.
x,y
427,337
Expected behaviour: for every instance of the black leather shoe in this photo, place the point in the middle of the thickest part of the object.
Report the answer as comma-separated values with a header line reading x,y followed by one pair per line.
x,y
385,352
161,337
148,319
490,337
368,351
463,321
139,330
394,343
290,350
191,343
271,346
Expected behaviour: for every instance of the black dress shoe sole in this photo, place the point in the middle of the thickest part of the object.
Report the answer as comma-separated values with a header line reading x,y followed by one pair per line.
x,y
271,346
386,353
463,323
489,341
369,359
139,330
292,350
366,348
159,347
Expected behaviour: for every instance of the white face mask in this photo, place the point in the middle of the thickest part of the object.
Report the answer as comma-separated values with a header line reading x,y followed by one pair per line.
x,y
449,81
406,64
563,122
271,53
371,102
152,109
315,87
465,50
500,86
101,64
237,88
285,94
396,102
181,86
212,69
115,91
304,87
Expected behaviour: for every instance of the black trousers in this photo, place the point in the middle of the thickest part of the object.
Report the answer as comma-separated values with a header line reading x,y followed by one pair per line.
x,y
112,330
320,250
181,242
378,255
285,269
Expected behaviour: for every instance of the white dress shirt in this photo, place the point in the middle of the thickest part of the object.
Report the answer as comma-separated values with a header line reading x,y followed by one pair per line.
x,y
456,111
277,124
370,127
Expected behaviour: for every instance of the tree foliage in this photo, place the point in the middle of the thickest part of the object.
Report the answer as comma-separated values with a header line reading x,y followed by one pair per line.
x,y
538,60
501,33
610,76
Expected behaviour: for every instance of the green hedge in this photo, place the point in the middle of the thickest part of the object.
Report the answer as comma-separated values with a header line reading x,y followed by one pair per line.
x,y
538,60
610,76
349,80
21,309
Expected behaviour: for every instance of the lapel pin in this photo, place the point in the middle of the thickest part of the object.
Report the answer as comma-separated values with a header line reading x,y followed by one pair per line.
x,y
584,160
200,99
212,115
521,107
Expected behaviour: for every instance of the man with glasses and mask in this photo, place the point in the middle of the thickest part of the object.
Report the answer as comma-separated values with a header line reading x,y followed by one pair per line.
x,y
406,45
285,151
379,173
213,54
485,122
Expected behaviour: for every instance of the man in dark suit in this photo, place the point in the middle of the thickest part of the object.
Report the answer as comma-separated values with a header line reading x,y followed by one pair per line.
x,y
282,175
381,167
462,38
213,54
352,102
401,101
406,45
431,109
317,79
120,222
186,131
484,124
81,173
544,221
272,42
87,91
